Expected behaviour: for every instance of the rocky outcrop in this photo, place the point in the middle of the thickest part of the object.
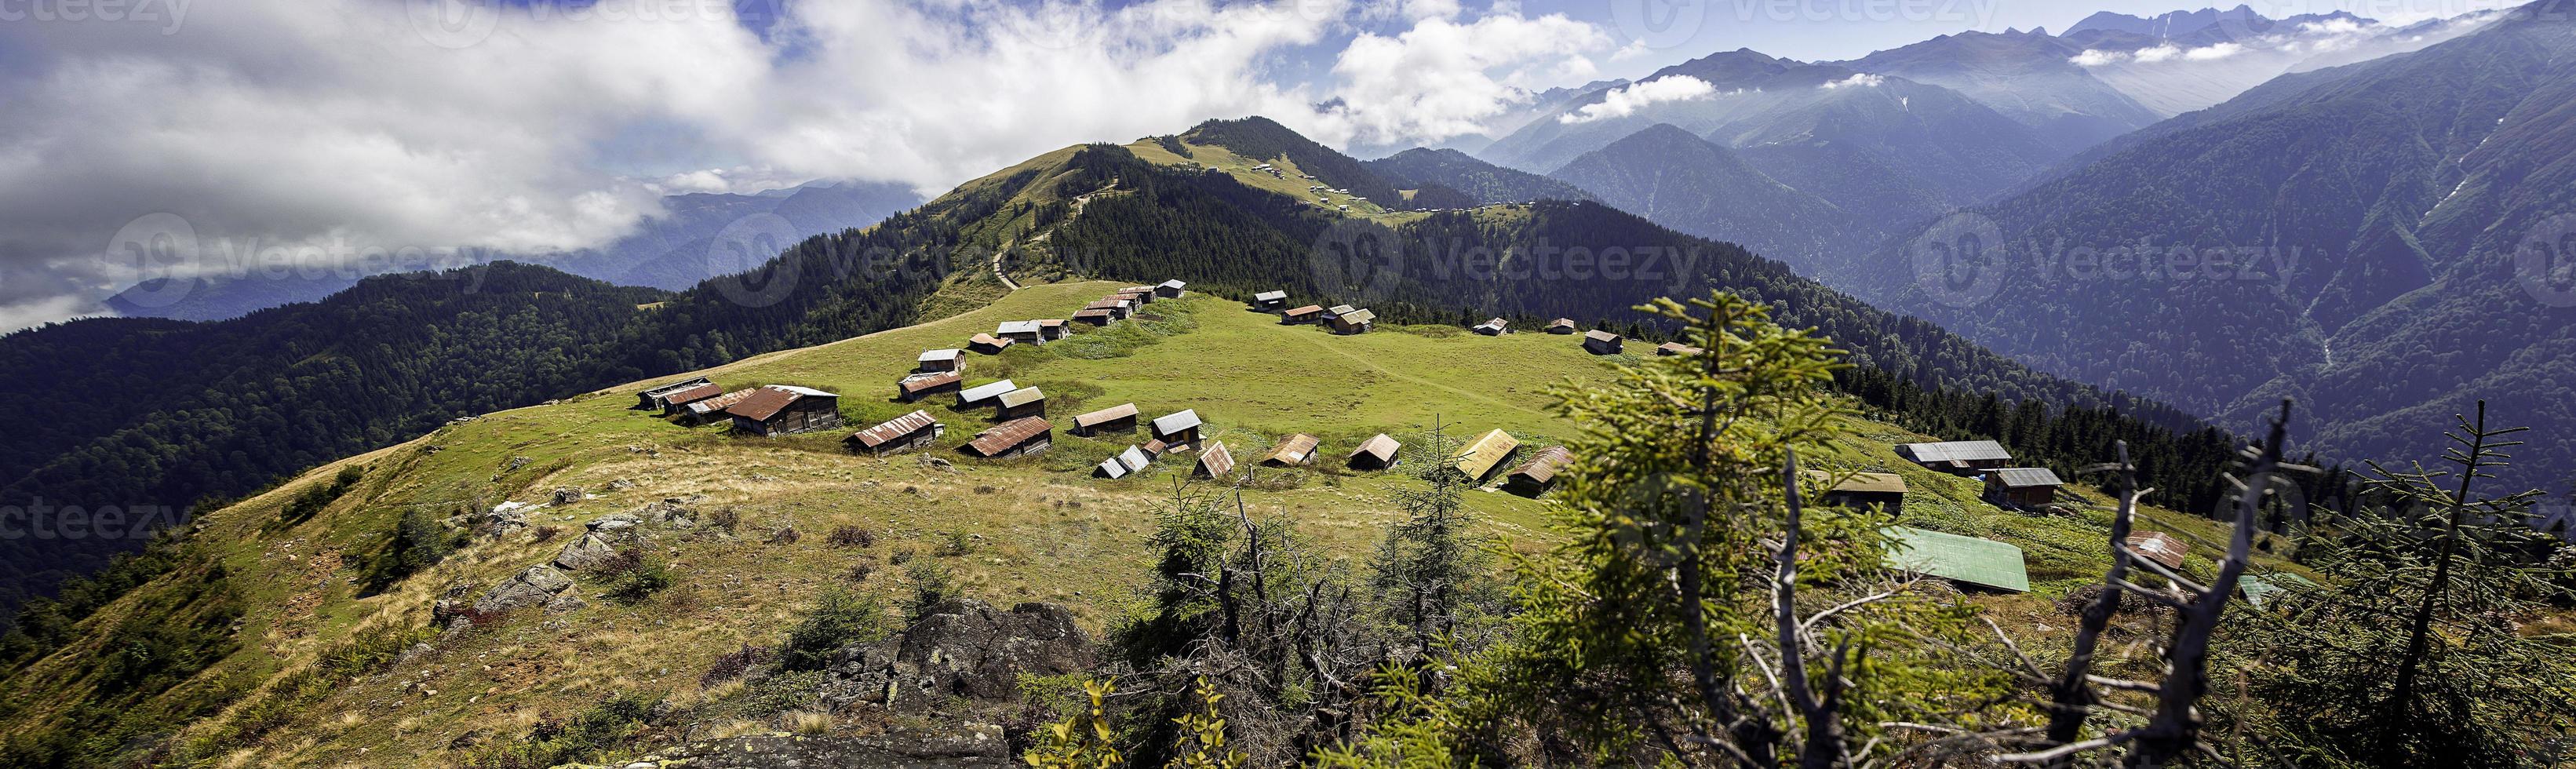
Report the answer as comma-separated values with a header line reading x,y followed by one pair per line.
x,y
975,746
600,541
538,586
966,648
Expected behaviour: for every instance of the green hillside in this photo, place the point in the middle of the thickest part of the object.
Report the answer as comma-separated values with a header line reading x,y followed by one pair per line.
x,y
278,653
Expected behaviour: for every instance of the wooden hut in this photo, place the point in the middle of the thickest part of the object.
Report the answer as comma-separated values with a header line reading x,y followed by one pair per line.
x,y
1018,437
935,361
678,401
1533,477
2160,547
1336,311
2023,486
1354,322
1561,326
1095,317
1116,306
1486,453
1270,300
1599,342
1020,403
1022,331
1494,327
1131,460
710,409
1113,420
1885,491
1170,289
1214,461
1676,348
657,398
919,386
1052,329
1141,295
903,433
988,344
983,394
1292,451
1957,457
1307,314
777,410
1375,453
1179,428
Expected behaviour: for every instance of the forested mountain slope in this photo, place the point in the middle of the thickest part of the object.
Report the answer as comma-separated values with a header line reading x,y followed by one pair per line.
x,y
2349,237
1682,182
1481,181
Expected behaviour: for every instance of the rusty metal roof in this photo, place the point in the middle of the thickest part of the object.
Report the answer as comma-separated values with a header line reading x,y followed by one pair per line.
x,y
919,382
1002,437
1107,415
771,399
894,428
1216,460
1293,450
1383,447
1542,468
1081,314
2160,547
721,402
1488,451
693,394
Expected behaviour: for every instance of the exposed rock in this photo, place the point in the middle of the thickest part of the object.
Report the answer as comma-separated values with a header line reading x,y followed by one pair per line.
x,y
966,648
586,552
564,602
620,484
974,745
935,463
451,603
519,462
535,587
614,523
567,495
502,519
673,511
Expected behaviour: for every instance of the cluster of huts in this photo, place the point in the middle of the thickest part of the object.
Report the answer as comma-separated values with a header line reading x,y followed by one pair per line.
x,y
766,410
1341,318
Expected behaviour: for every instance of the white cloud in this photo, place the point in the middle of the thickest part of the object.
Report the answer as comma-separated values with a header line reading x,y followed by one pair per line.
x,y
1622,102
2214,52
2096,58
1861,80
2156,54
1443,79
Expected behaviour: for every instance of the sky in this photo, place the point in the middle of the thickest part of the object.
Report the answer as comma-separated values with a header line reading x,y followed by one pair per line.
x,y
154,138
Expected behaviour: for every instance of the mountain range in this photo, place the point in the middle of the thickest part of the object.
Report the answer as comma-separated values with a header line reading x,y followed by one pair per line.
x,y
670,250
2374,239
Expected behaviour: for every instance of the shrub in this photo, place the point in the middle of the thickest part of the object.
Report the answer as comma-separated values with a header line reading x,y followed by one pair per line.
x,y
630,576
840,618
734,664
932,586
852,536
785,535
725,518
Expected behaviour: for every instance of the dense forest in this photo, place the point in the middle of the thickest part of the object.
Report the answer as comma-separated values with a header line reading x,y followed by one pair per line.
x,y
1485,182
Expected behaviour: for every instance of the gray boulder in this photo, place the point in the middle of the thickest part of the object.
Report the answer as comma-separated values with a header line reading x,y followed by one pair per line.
x,y
588,551
966,648
535,587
